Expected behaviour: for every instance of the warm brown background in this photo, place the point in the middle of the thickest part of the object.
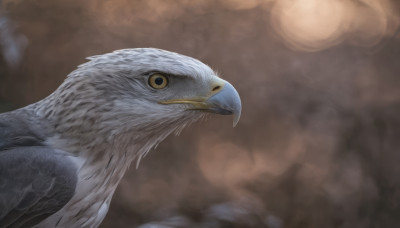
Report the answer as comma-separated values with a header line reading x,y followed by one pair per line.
x,y
318,143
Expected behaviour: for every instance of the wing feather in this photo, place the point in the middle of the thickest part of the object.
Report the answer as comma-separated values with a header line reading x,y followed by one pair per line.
x,y
35,180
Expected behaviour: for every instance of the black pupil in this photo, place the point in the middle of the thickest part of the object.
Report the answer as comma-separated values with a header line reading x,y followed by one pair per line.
x,y
159,81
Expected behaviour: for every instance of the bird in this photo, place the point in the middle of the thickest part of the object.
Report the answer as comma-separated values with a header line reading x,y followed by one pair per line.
x,y
62,157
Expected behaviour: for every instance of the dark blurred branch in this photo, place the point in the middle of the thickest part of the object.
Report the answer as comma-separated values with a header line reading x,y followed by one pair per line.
x,y
12,44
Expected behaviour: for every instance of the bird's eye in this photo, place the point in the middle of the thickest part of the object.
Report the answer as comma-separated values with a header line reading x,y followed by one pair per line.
x,y
158,81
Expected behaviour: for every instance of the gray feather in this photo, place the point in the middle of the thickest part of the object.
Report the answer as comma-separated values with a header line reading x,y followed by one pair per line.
x,y
35,180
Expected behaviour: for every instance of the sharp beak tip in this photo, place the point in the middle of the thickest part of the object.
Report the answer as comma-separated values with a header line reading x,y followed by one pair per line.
x,y
235,122
236,115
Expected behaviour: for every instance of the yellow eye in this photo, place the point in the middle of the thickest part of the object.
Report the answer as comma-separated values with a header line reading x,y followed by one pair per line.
x,y
158,81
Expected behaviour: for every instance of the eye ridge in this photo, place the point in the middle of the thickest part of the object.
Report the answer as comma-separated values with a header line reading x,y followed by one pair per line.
x,y
158,81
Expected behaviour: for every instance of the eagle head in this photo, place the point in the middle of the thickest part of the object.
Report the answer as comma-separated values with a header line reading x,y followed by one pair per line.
x,y
142,94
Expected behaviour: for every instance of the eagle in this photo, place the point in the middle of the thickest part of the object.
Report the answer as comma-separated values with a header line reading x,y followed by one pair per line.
x,y
62,157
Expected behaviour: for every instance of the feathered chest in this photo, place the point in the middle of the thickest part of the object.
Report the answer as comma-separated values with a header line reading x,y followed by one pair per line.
x,y
97,182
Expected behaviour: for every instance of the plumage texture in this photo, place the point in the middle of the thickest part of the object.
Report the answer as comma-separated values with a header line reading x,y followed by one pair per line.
x,y
62,158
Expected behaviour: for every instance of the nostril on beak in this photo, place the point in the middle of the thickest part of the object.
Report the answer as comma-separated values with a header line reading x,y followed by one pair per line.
x,y
216,88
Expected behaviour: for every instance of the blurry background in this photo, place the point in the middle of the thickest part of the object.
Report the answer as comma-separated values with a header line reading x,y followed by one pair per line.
x,y
318,143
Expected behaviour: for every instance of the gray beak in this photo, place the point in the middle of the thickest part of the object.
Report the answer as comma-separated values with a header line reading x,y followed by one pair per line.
x,y
226,102
223,99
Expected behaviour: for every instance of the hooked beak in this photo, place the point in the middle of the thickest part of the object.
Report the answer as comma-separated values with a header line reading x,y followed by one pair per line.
x,y
222,99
